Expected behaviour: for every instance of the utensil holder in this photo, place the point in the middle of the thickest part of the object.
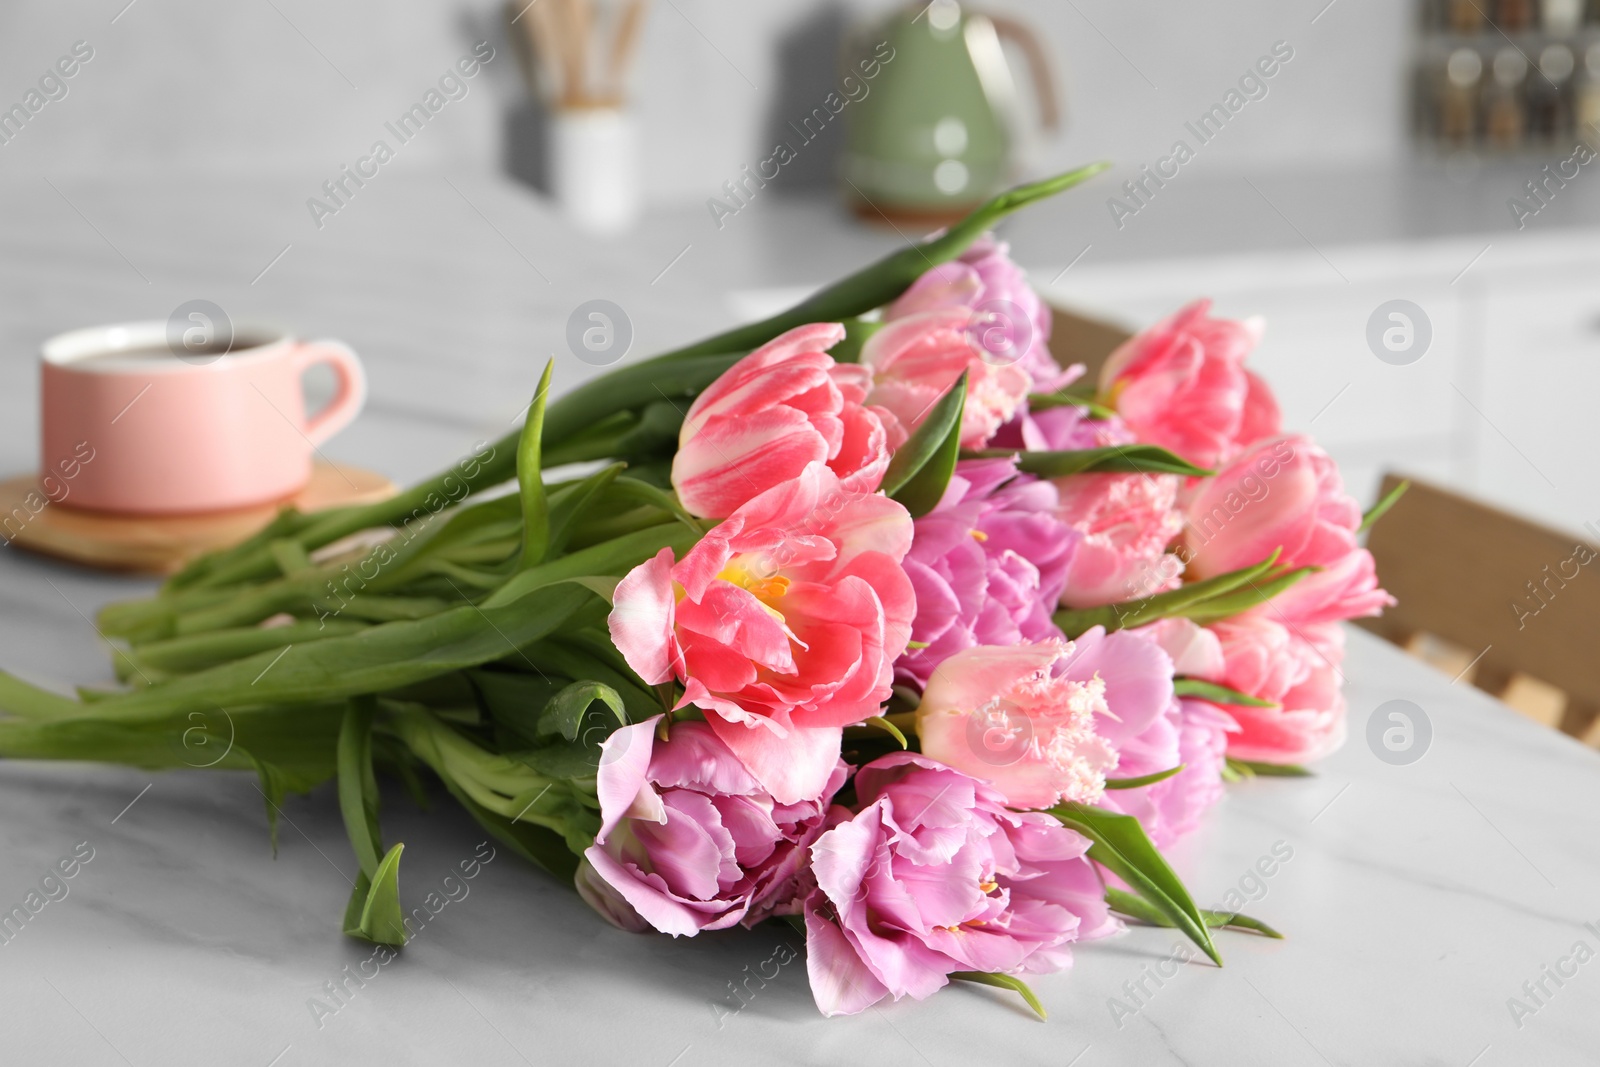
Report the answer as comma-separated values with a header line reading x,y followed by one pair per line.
x,y
593,167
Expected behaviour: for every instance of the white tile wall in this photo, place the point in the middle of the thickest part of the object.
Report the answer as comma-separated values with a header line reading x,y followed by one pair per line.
x,y
191,87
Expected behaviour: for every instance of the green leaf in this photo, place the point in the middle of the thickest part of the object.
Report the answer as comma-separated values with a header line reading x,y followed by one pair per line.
x,y
571,505
1252,769
373,913
878,284
1144,780
856,334
631,489
603,438
564,759
1122,459
572,657
1217,694
1233,920
1130,613
356,905
393,756
274,787
514,700
1135,907
889,728
612,558
535,506
1381,508
1002,981
1119,844
565,712
655,433
1239,601
579,715
358,788
1046,401
634,386
920,469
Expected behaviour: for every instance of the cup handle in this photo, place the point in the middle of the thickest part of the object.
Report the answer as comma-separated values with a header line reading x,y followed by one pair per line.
x,y
351,396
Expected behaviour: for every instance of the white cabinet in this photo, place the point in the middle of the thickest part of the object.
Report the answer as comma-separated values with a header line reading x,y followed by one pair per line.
x,y
1500,404
1541,392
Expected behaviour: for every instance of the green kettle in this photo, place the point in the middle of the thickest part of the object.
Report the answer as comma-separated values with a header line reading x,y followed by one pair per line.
x,y
938,131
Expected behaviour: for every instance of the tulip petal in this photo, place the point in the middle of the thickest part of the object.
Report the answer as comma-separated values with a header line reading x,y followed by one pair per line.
x,y
622,782
641,619
793,767
840,982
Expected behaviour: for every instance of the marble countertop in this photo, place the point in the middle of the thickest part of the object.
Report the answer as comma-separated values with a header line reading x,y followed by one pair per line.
x,y
1418,899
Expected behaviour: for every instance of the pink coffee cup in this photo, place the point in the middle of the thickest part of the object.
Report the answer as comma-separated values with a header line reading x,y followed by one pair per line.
x,y
174,430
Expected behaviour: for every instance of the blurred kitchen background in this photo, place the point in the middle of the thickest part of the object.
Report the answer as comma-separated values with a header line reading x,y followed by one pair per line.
x,y
1382,159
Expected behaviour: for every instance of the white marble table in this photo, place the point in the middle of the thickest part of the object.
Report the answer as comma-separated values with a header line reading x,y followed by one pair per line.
x,y
1418,899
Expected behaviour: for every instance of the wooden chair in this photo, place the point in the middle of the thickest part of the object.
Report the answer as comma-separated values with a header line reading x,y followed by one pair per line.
x,y
1510,605
1078,338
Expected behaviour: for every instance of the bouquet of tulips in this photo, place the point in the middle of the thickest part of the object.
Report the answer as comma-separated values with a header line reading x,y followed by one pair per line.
x,y
869,617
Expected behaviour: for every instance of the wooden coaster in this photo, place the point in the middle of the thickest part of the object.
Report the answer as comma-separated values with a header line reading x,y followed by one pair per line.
x,y
162,544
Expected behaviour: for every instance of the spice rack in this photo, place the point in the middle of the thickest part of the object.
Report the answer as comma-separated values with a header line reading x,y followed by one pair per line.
x,y
1507,75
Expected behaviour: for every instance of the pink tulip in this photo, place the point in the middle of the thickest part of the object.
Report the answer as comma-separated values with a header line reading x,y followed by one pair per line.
x,y
1194,650
1001,714
986,279
1298,670
988,565
935,875
688,840
915,360
782,624
781,407
1127,522
1045,722
1286,494
1182,385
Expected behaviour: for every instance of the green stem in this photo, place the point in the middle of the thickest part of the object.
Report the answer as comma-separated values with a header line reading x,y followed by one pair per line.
x,y
376,660
196,652
30,702
493,782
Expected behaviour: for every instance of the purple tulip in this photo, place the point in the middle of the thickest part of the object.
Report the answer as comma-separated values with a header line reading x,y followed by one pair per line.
x,y
986,280
689,841
935,874
1191,732
988,565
